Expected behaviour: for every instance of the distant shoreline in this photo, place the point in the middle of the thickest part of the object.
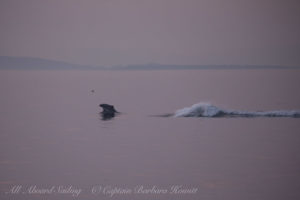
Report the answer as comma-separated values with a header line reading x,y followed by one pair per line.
x,y
27,63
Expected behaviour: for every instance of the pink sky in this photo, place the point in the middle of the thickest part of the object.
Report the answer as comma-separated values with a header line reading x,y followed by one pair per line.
x,y
114,32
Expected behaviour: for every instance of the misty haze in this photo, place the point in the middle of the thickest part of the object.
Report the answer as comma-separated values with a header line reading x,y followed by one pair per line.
x,y
140,99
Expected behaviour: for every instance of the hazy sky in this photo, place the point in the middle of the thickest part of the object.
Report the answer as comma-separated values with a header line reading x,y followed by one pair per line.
x,y
113,32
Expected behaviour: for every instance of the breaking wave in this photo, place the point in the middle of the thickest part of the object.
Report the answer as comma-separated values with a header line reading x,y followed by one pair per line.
x,y
208,110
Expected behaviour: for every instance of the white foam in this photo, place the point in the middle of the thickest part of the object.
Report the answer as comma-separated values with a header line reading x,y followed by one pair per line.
x,y
208,110
198,110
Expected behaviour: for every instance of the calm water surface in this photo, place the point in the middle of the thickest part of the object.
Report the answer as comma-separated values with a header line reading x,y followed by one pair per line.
x,y
51,134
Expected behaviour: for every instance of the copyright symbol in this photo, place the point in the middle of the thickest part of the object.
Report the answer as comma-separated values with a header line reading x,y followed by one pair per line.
x,y
96,189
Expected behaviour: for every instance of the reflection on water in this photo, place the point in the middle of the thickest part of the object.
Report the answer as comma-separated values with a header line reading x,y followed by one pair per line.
x,y
106,116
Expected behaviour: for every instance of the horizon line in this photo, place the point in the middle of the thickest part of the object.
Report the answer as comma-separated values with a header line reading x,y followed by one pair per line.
x,y
44,65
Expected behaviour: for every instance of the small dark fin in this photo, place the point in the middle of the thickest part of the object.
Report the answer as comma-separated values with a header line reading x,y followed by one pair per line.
x,y
108,111
163,115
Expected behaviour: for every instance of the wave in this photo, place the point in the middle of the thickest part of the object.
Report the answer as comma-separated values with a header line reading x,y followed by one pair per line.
x,y
208,110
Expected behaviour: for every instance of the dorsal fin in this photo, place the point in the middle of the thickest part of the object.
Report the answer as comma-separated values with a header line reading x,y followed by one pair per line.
x,y
108,111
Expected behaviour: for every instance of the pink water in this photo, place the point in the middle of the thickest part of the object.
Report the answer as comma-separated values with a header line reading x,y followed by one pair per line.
x,y
51,135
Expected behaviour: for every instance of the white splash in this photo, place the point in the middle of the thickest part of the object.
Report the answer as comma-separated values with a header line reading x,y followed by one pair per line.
x,y
208,110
